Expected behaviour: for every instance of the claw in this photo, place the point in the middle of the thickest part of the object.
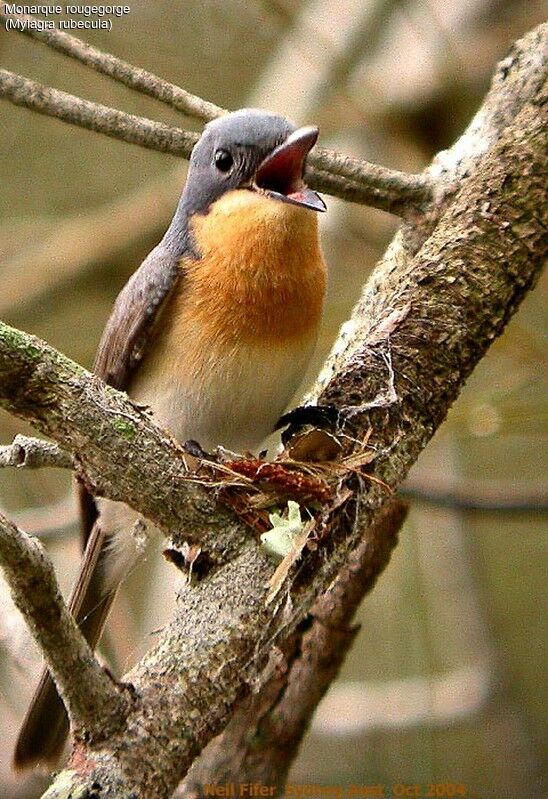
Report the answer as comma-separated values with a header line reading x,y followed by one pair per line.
x,y
193,448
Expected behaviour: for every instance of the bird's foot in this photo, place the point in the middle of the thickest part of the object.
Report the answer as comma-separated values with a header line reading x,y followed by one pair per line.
x,y
194,449
324,417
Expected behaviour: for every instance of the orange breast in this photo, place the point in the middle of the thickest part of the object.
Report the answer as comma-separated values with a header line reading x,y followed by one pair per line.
x,y
261,277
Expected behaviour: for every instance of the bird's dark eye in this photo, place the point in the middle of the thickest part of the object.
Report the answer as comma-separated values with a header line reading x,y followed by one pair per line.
x,y
223,161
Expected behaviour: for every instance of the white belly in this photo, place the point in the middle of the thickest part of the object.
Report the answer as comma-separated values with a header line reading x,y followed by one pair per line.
x,y
234,400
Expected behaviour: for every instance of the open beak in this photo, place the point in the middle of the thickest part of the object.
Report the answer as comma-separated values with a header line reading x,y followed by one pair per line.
x,y
280,175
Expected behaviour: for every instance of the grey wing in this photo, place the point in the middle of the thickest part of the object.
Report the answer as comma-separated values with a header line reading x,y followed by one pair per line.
x,y
126,335
131,322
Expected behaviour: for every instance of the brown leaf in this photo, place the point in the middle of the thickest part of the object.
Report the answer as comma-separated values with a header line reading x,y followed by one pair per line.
x,y
315,445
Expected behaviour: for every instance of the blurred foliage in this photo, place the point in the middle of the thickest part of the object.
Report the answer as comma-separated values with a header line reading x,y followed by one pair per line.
x,y
445,682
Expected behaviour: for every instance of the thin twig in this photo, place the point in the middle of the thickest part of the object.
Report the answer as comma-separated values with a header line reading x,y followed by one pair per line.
x,y
147,83
94,116
134,77
341,176
34,453
366,183
94,701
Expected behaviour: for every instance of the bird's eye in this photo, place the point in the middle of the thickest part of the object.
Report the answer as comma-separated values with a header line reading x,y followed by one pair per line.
x,y
223,161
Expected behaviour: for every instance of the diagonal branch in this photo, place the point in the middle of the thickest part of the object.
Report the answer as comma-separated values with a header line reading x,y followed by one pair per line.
x,y
436,314
93,699
116,444
263,737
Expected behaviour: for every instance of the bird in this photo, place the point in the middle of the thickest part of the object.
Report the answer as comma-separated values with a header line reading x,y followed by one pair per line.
x,y
213,333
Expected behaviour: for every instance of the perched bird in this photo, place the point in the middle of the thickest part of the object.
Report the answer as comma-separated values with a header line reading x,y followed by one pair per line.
x,y
213,332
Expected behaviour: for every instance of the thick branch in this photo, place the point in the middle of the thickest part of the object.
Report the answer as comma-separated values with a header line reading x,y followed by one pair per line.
x,y
116,445
262,739
93,699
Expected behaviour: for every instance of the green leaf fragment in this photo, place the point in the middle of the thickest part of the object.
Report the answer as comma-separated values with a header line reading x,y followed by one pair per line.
x,y
281,539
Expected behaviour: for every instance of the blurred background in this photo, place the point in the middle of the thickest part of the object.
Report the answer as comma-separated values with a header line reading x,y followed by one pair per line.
x,y
446,681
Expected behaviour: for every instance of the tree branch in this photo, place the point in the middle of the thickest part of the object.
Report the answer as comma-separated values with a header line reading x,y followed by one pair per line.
x,y
115,444
359,181
106,64
262,739
33,453
94,701
341,176
93,116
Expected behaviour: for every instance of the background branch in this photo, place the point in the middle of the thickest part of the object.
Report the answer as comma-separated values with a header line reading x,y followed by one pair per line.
x,y
347,178
106,64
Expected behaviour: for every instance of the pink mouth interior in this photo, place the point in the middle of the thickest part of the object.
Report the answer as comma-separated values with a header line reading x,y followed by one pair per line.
x,y
282,172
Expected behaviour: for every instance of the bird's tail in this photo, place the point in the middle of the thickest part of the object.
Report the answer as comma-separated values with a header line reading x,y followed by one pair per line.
x,y
45,728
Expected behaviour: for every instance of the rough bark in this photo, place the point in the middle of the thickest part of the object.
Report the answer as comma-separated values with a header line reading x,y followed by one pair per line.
x,y
33,453
261,740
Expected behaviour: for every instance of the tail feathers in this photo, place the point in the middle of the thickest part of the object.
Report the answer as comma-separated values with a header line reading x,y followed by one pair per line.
x,y
45,728
44,731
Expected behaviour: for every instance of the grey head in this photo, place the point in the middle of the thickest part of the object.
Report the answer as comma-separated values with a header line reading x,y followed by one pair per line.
x,y
251,150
